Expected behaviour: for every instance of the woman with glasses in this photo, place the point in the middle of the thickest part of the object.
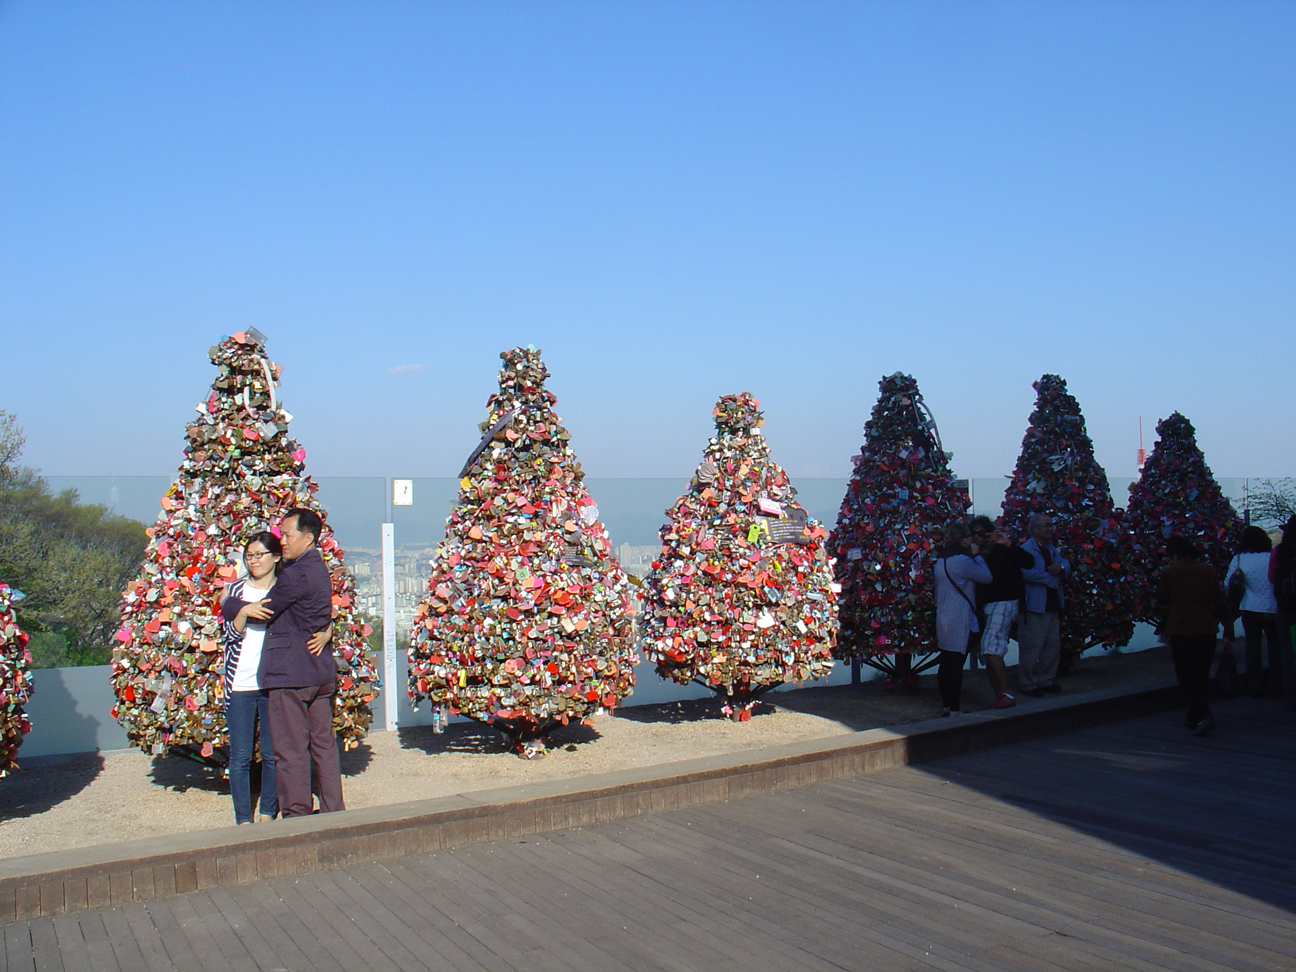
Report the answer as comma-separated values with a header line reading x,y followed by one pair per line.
x,y
244,608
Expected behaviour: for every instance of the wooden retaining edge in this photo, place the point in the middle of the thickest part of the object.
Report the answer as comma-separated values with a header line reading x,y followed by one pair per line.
x,y
62,881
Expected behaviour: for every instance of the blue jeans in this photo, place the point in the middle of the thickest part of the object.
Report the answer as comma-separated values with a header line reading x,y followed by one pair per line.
x,y
245,710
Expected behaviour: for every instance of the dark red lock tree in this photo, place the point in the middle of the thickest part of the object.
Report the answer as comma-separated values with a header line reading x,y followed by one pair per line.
x,y
1176,493
1057,474
900,498
742,597
241,473
528,621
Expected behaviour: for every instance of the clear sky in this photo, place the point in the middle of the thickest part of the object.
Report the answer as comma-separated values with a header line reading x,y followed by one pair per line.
x,y
673,200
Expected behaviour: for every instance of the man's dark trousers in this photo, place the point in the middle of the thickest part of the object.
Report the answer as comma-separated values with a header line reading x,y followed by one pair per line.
x,y
305,713
301,686
1192,656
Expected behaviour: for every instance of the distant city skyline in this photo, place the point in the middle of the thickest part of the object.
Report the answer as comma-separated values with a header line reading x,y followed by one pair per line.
x,y
674,201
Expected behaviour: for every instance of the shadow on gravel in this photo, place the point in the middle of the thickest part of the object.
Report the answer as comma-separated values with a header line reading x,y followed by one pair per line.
x,y
31,792
181,774
476,737
688,710
357,760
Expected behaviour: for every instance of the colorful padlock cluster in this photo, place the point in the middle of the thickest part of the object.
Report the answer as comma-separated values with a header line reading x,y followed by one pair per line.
x,y
241,472
742,597
900,498
1177,494
15,681
1057,474
528,621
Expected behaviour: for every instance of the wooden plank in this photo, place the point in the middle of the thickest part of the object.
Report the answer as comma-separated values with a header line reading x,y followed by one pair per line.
x,y
18,950
821,921
1043,915
1115,889
797,866
631,926
146,936
258,904
102,956
547,904
223,934
249,935
380,943
432,902
122,938
71,946
355,937
1068,849
386,918
875,835
179,948
41,931
706,917
700,920
495,907
447,946
269,896
491,950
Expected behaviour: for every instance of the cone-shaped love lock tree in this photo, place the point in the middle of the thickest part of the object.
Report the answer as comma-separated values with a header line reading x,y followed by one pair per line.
x,y
742,597
1177,494
900,498
528,622
15,681
1057,474
241,473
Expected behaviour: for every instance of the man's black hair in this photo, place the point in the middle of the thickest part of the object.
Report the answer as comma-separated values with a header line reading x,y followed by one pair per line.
x,y
308,521
1178,546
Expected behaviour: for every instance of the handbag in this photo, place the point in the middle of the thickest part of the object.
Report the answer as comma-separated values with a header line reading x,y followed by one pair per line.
x,y
1236,590
1227,683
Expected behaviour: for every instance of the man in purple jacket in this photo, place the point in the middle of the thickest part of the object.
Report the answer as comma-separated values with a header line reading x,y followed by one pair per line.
x,y
301,684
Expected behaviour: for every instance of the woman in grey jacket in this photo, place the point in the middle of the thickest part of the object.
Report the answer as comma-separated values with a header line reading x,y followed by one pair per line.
x,y
959,569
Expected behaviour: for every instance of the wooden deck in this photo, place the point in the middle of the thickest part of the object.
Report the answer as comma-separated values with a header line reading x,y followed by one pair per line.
x,y
1127,846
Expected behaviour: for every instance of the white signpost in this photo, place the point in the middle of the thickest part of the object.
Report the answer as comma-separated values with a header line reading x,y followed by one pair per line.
x,y
390,675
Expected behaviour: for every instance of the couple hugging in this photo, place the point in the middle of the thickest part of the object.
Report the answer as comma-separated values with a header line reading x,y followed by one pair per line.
x,y
280,673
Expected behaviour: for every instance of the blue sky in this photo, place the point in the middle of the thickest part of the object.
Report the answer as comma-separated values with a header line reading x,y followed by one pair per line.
x,y
673,200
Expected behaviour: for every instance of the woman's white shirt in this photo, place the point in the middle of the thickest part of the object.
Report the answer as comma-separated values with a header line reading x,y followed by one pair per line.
x,y
1259,596
245,674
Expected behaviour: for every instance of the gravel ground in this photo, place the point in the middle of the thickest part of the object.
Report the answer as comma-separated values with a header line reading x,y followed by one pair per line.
x,y
122,796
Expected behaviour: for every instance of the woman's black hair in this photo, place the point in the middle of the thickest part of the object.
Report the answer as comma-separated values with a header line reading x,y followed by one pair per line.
x,y
267,540
1178,546
1254,540
983,524
955,534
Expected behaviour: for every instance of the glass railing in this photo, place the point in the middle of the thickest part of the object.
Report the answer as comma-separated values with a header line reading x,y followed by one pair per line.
x,y
632,509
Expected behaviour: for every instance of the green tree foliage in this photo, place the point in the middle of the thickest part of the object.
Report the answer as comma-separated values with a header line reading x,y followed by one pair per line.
x,y
71,559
